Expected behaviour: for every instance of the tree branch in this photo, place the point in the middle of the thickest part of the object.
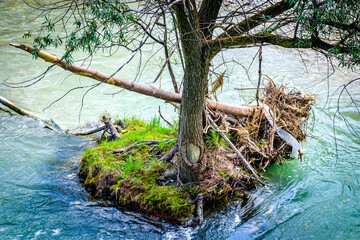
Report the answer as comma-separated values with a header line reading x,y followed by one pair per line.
x,y
208,13
345,27
257,19
132,86
217,45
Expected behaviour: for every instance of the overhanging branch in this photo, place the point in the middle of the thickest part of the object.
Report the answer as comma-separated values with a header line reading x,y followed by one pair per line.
x,y
131,86
217,45
346,27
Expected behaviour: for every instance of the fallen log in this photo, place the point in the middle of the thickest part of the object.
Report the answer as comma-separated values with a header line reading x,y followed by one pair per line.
x,y
18,110
131,86
50,124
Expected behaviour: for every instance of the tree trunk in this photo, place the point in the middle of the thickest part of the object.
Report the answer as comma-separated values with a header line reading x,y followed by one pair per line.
x,y
191,144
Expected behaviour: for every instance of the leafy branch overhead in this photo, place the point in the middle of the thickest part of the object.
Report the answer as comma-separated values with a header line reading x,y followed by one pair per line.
x,y
332,26
88,26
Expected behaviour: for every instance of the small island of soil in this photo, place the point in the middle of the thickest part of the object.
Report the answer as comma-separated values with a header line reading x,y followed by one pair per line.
x,y
138,170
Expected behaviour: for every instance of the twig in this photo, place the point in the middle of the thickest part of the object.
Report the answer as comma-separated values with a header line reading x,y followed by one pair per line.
x,y
136,144
88,132
162,117
259,81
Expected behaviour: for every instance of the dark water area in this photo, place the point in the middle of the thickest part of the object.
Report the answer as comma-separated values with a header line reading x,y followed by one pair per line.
x,y
41,197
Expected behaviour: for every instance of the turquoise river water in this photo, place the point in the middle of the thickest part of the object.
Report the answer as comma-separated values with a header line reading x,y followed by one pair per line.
x,y
41,197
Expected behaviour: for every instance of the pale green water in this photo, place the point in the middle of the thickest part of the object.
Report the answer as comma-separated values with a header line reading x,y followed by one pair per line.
x,y
41,198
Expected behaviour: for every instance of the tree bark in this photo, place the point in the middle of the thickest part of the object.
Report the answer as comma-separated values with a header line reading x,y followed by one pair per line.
x,y
191,144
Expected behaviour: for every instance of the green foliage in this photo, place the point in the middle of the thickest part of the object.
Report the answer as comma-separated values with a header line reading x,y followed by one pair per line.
x,y
332,20
212,138
136,170
95,24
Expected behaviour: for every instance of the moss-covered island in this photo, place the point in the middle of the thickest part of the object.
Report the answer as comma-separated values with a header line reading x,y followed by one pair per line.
x,y
138,170
129,172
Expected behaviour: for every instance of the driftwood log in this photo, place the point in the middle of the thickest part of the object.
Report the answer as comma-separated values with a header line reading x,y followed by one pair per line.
x,y
110,127
131,86
50,124
17,109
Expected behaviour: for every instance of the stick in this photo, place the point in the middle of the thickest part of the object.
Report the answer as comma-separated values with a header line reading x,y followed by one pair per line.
x,y
247,165
169,155
259,81
135,144
199,211
162,117
88,132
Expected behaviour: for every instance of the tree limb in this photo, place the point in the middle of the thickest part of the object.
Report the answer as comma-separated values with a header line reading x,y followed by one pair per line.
x,y
257,19
218,44
132,86
208,13
345,27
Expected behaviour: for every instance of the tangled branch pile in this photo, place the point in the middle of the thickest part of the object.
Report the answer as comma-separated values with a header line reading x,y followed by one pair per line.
x,y
257,138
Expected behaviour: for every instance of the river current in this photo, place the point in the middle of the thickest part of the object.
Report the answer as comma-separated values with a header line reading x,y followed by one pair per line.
x,y
41,197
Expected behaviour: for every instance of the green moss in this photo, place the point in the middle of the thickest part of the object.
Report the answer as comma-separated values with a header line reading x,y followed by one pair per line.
x,y
136,179
136,171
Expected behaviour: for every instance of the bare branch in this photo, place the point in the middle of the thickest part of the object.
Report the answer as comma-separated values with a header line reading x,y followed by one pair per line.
x,y
132,86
